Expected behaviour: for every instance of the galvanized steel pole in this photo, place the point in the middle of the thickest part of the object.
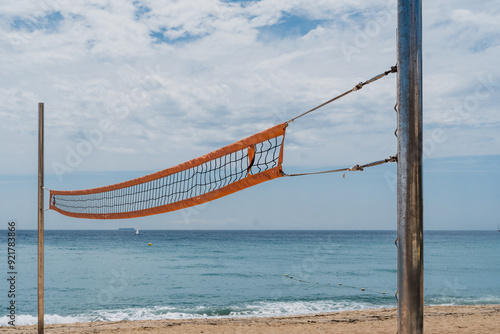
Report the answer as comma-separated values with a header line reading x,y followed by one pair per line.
x,y
40,219
410,209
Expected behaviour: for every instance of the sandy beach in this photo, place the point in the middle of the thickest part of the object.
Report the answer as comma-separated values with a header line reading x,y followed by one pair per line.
x,y
438,319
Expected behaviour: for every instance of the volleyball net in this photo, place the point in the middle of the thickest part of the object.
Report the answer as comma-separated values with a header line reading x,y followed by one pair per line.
x,y
243,164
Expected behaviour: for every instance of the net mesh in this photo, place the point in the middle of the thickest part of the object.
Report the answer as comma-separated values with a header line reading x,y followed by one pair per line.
x,y
235,167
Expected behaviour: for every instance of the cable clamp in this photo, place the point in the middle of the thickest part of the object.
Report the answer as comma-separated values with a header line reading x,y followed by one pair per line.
x,y
355,168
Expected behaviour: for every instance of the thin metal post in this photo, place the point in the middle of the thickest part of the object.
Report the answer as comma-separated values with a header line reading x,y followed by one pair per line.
x,y
40,219
410,209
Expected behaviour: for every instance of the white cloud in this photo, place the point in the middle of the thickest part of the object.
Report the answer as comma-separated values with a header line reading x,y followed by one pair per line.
x,y
226,70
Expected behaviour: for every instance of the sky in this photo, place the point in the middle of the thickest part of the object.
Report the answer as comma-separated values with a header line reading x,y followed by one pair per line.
x,y
133,87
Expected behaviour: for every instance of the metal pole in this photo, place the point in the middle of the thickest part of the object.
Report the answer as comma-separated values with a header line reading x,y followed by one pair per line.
x,y
410,209
40,219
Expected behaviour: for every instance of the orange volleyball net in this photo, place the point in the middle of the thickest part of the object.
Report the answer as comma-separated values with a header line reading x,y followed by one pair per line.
x,y
235,167
243,164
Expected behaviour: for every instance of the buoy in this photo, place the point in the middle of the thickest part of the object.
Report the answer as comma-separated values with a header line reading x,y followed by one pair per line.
x,y
300,280
328,282
309,282
291,277
286,274
340,283
317,282
362,289
150,244
383,293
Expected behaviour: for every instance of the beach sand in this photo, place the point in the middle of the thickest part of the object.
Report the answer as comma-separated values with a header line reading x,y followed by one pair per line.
x,y
438,319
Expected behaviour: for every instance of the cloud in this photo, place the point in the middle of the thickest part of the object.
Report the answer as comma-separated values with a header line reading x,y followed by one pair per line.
x,y
160,81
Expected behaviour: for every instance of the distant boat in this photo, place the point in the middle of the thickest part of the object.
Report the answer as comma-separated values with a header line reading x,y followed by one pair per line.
x,y
498,227
137,231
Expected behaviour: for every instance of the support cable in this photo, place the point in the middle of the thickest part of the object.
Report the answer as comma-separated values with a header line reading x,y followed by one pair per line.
x,y
350,169
393,69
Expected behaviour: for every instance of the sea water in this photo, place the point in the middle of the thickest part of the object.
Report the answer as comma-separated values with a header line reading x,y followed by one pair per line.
x,y
117,275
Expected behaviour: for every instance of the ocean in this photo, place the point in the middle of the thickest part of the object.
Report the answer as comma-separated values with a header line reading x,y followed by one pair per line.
x,y
117,275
